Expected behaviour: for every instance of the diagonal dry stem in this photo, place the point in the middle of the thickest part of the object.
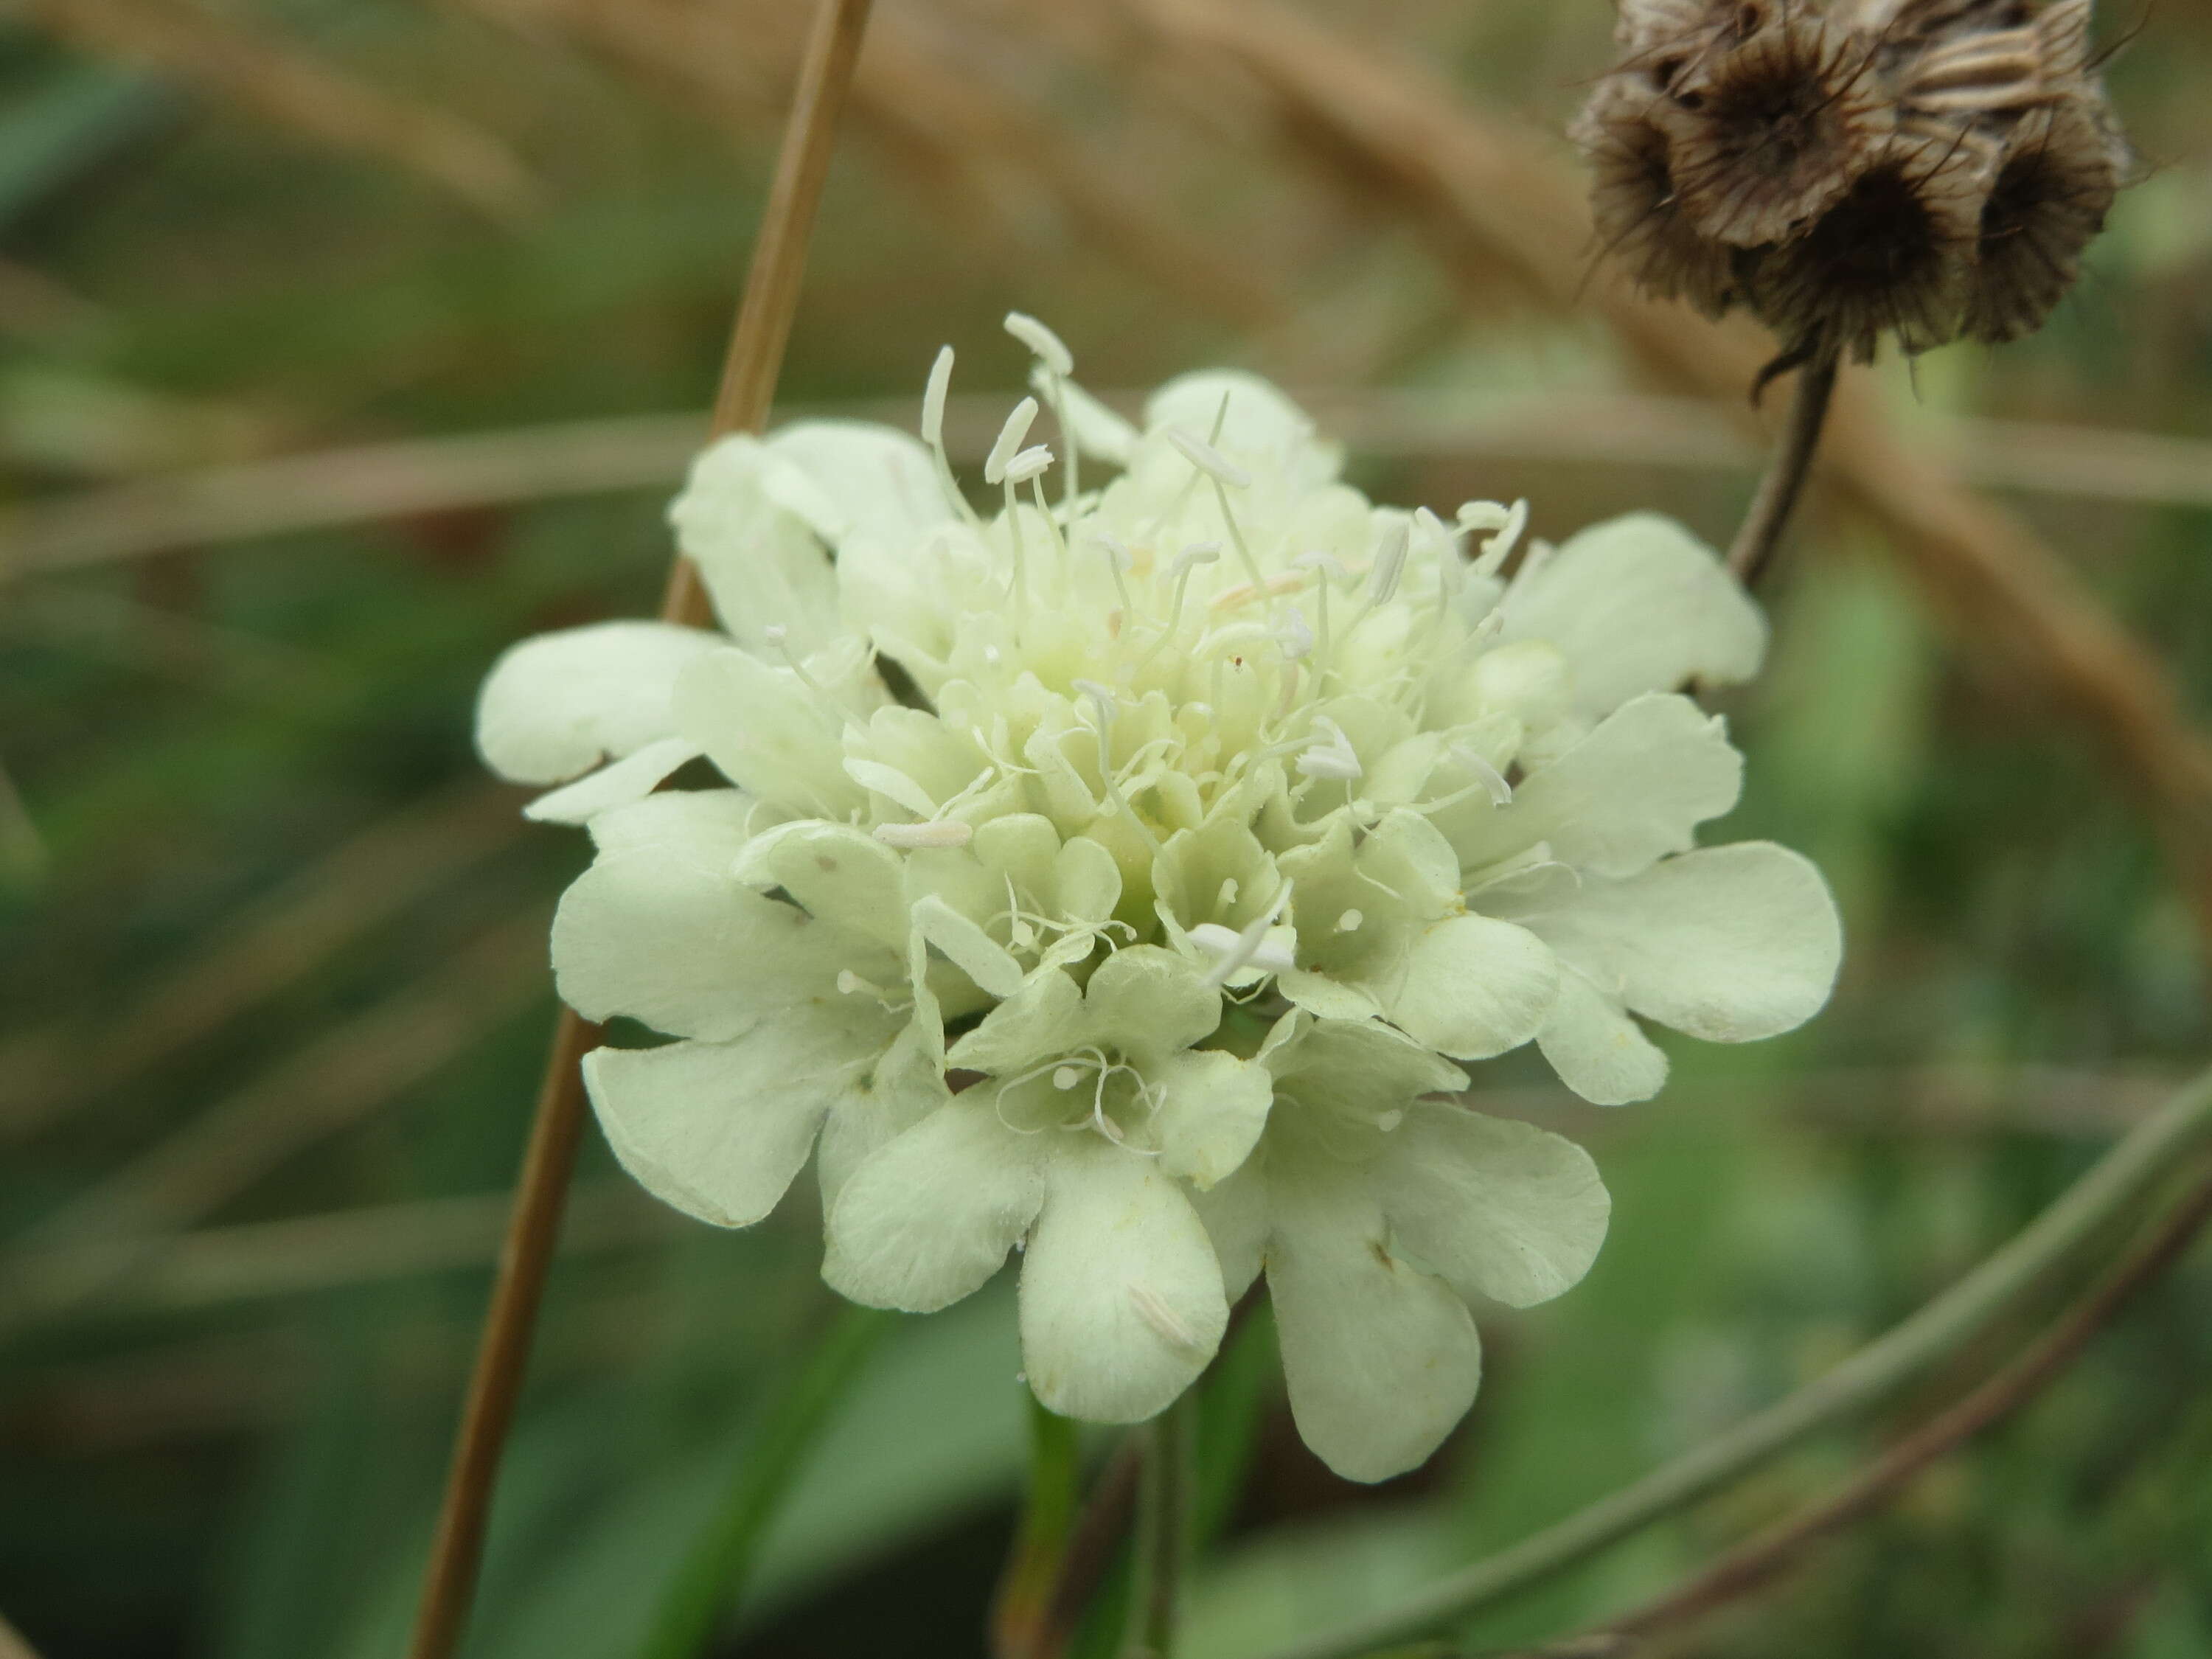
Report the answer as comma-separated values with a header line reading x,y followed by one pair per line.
x,y
1759,1559
755,356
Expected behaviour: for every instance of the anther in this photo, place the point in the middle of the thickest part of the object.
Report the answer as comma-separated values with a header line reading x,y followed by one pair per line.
x,y
1047,346
1009,443
932,399
934,832
1209,460
1390,564
1491,780
1030,463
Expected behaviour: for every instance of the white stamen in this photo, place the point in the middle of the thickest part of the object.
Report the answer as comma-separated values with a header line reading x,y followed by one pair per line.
x,y
1162,1318
936,832
1507,523
1041,340
932,399
1234,952
1331,756
1349,921
1066,1077
1030,464
1296,638
1101,698
1492,780
1390,564
1011,437
1209,460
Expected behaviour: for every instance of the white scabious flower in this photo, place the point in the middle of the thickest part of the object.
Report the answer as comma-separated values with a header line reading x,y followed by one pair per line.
x,y
1118,878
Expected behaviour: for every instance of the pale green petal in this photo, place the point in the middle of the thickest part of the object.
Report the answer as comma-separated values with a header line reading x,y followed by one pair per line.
x,y
1212,1109
1598,1051
863,480
763,564
1362,1068
707,825
967,946
719,1129
1261,423
930,1218
1235,1215
836,872
1086,881
1497,1208
1475,987
618,784
1730,944
1328,998
1122,1302
1146,1000
677,942
556,706
1631,792
1410,856
1382,1360
771,734
1041,1021
1639,604
906,1084
1099,430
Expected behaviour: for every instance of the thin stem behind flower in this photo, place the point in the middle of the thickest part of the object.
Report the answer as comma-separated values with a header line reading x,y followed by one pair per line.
x,y
1784,482
2109,1190
749,373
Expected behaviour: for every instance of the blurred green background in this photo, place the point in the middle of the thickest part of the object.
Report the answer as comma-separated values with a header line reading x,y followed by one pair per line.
x,y
273,997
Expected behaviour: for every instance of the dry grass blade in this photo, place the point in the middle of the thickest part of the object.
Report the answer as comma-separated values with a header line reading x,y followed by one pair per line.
x,y
293,87
1385,127
12,1644
367,881
314,1253
346,486
379,481
334,1081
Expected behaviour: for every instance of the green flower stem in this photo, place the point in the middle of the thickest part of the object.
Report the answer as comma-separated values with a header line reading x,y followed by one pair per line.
x,y
1162,1533
713,1574
1040,1548
2112,1189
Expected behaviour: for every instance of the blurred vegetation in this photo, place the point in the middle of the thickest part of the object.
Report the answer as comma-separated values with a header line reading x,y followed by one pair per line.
x,y
272,991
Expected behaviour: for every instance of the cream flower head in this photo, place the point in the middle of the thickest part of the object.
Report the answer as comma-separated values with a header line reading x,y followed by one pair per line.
x,y
1117,877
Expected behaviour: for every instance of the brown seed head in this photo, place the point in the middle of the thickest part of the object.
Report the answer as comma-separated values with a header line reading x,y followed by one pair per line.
x,y
1853,168
1894,256
1638,210
2048,201
1767,134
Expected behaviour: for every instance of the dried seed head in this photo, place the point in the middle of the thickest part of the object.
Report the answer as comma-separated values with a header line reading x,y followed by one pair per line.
x,y
1894,256
1852,168
1767,134
1638,209
2048,201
